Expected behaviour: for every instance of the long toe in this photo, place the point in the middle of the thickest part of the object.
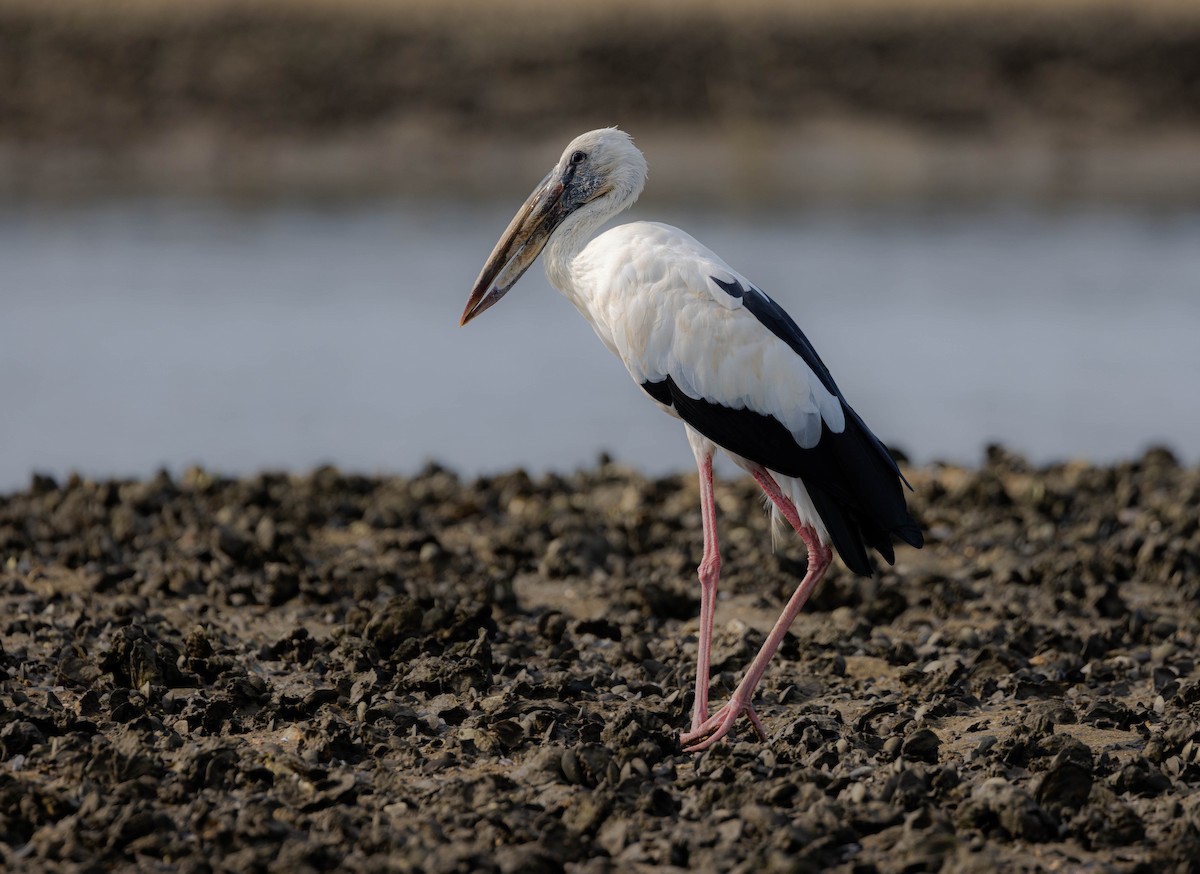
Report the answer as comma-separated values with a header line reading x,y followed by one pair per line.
x,y
756,722
711,731
719,725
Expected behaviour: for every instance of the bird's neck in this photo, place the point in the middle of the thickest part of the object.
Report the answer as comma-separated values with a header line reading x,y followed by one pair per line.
x,y
564,247
569,241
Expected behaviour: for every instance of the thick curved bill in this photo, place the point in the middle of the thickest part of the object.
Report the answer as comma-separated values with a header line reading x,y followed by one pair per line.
x,y
519,246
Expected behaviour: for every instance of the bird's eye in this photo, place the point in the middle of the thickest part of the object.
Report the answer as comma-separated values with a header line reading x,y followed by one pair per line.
x,y
578,157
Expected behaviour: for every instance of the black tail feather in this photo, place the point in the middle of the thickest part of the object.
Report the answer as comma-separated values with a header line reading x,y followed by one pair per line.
x,y
869,492
843,532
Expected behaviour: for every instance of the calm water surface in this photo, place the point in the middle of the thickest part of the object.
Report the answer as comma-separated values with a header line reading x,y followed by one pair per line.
x,y
146,334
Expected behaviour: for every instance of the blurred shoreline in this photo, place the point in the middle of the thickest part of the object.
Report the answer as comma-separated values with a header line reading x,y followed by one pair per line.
x,y
863,101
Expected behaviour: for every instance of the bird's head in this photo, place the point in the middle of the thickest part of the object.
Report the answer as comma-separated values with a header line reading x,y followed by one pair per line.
x,y
599,174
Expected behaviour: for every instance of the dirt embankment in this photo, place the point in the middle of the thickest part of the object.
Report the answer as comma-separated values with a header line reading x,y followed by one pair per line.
x,y
302,673
877,99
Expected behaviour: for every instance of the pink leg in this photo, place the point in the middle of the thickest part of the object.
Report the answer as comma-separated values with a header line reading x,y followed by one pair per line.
x,y
819,557
709,572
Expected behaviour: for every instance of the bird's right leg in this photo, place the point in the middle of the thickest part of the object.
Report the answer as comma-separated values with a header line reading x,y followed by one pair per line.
x,y
709,573
819,557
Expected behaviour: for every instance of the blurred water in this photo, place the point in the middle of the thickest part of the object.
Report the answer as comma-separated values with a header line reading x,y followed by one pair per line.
x,y
143,334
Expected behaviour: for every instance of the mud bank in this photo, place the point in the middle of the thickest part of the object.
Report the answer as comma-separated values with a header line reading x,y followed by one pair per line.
x,y
425,674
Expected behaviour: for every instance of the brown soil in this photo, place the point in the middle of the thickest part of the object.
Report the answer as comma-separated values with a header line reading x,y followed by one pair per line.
x,y
302,673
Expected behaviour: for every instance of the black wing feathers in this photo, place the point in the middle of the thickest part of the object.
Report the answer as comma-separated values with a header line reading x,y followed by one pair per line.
x,y
659,391
848,476
776,320
743,432
852,479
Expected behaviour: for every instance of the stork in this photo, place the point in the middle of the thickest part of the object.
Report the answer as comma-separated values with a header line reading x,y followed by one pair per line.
x,y
710,348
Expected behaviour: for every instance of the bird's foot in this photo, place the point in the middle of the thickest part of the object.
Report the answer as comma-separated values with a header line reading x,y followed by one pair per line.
x,y
718,725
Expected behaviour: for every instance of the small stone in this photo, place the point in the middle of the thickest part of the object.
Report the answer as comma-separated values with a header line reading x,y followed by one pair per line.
x,y
1068,781
921,745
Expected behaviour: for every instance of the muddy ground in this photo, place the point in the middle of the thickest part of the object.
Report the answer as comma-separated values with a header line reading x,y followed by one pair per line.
x,y
424,674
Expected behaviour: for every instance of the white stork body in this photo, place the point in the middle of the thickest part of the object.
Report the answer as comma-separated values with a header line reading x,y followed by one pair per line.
x,y
648,291
711,349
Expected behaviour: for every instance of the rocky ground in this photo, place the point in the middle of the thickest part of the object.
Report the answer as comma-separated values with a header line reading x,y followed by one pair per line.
x,y
306,672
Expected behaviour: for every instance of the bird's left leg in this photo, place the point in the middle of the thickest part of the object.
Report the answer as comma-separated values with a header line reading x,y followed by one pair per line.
x,y
819,558
709,572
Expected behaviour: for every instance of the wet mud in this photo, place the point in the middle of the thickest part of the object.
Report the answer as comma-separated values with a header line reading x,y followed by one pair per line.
x,y
326,671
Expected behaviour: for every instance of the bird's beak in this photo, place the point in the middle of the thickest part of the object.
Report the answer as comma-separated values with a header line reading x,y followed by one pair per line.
x,y
518,248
